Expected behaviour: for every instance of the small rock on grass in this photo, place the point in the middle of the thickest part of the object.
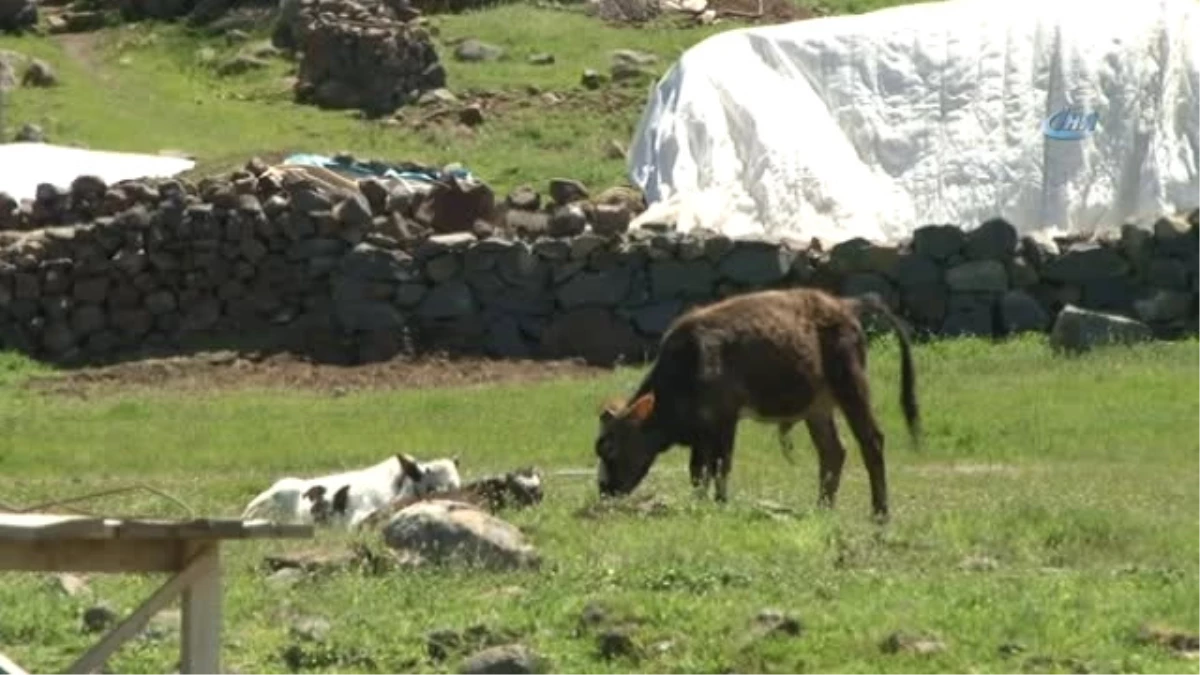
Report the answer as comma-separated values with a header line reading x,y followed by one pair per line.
x,y
98,618
310,629
978,563
70,585
618,643
774,621
283,578
1163,636
634,57
914,644
565,190
513,658
593,614
239,65
1010,649
30,133
162,625
471,115
474,51
591,79
39,74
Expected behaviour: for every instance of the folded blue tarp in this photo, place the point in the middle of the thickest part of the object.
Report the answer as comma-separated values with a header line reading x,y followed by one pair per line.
x,y
406,171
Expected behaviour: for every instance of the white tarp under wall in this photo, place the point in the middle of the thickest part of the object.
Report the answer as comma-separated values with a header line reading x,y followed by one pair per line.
x,y
24,165
1069,115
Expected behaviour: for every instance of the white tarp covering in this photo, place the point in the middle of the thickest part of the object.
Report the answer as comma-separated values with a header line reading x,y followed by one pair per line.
x,y
943,112
24,165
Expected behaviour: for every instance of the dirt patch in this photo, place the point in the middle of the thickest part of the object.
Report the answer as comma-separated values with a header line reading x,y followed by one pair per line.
x,y
1184,643
643,506
769,11
230,371
494,105
970,469
84,49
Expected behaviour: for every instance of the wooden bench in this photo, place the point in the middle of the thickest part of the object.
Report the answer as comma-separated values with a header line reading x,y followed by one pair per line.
x,y
33,542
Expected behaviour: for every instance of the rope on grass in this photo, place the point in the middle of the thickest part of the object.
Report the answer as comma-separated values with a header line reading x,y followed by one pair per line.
x,y
102,493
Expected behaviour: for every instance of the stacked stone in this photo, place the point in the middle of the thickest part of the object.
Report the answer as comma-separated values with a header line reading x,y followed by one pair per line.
x,y
97,270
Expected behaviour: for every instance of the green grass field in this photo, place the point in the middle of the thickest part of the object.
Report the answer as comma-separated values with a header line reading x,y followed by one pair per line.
x,y
1052,512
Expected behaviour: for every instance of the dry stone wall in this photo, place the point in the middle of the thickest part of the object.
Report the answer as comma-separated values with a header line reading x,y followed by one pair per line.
x,y
98,271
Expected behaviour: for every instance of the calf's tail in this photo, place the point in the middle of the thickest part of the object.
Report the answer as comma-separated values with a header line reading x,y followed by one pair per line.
x,y
908,382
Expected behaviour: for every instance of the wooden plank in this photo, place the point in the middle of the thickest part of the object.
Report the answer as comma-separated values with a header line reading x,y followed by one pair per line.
x,y
41,526
32,526
200,641
267,529
212,528
92,555
172,529
8,667
98,655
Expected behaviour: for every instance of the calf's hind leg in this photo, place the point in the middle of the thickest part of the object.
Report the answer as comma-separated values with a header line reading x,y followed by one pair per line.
x,y
831,456
853,394
721,459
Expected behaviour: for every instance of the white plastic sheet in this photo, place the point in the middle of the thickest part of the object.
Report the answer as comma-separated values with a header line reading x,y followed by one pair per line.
x,y
25,165
1068,115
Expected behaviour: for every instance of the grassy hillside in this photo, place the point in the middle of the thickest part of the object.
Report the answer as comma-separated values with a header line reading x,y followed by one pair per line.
x,y
153,87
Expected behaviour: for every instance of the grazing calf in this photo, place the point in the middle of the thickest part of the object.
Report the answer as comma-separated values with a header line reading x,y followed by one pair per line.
x,y
522,487
780,356
359,492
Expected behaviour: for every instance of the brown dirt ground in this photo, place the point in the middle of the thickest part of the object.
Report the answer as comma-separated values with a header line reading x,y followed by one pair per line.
x,y
770,11
225,371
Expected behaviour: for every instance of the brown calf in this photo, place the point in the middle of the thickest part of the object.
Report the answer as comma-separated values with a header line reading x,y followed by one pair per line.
x,y
780,356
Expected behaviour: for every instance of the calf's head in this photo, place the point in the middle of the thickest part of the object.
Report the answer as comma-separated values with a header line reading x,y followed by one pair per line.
x,y
628,443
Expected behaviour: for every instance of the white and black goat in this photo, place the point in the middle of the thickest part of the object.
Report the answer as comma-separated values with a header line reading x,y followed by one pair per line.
x,y
356,493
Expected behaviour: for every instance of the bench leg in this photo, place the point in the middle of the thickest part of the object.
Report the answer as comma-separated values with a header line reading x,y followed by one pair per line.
x,y
201,629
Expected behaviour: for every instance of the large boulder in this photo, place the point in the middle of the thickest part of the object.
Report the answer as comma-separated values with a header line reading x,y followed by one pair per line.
x,y
1076,330
1020,313
441,531
10,63
18,15
594,334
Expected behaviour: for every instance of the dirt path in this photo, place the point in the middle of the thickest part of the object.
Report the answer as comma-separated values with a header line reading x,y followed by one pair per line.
x,y
225,371
84,50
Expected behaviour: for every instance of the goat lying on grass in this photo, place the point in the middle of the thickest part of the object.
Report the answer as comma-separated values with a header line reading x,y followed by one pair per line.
x,y
356,493
522,487
324,511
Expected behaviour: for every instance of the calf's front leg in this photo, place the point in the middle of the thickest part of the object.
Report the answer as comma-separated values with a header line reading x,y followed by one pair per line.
x,y
785,441
698,468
